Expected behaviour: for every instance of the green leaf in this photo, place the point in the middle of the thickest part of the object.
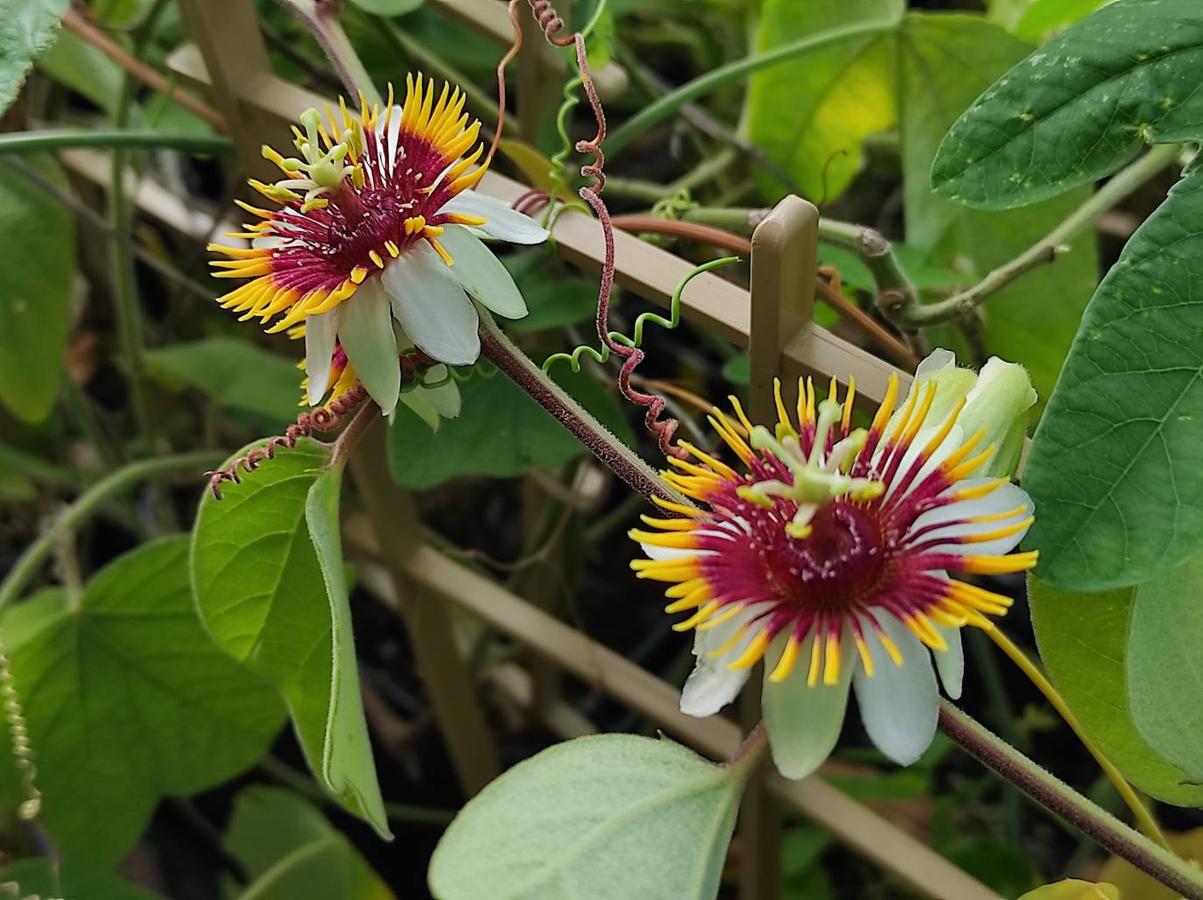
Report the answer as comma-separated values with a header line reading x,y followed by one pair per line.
x,y
26,28
73,62
268,585
1167,700
943,62
1114,464
291,852
501,432
738,369
235,373
36,269
812,113
128,701
553,301
1073,889
38,878
1079,107
611,815
388,7
1083,641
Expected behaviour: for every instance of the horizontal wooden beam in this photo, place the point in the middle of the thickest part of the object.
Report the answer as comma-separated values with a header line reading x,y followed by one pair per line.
x,y
850,821
709,302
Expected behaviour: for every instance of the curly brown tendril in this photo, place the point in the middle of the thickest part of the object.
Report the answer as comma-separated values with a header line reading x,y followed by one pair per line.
x,y
552,24
324,419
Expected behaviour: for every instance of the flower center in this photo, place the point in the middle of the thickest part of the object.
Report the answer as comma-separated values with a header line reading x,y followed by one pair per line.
x,y
841,561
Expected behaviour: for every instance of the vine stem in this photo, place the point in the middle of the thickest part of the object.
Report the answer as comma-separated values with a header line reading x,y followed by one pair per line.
x,y
1055,795
1047,790
63,138
321,17
1143,817
88,503
612,452
669,103
912,314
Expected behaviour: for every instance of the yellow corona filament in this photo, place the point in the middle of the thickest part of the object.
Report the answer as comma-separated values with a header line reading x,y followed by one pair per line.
x,y
999,565
716,464
698,617
375,258
673,539
682,509
921,626
358,274
785,665
945,429
969,466
732,610
754,651
722,425
393,250
891,648
997,533
730,643
441,251
668,524
978,491
849,400
739,414
866,658
954,458
816,657
887,405
999,516
831,659
782,416
977,598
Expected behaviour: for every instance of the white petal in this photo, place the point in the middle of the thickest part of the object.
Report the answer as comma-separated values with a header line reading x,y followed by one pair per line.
x,y
713,684
445,398
432,308
899,704
320,334
950,663
935,361
653,551
502,221
390,140
481,274
268,242
1004,498
804,722
366,332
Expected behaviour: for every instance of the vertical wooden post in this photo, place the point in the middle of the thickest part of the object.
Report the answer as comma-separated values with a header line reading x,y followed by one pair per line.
x,y
540,75
227,34
784,263
427,617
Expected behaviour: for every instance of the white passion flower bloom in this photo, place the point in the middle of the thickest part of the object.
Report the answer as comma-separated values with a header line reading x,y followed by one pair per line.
x,y
832,553
378,223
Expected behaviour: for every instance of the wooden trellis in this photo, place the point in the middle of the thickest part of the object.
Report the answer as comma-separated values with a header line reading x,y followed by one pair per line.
x,y
228,60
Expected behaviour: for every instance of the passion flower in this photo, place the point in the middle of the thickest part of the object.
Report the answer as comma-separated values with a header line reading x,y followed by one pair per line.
x,y
828,553
378,221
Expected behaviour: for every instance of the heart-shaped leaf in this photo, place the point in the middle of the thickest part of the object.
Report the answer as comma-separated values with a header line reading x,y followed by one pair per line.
x,y
1114,464
1079,107
26,29
268,576
1083,640
128,700
610,815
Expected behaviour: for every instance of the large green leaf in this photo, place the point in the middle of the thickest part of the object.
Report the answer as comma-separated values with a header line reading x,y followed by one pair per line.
x,y
811,114
610,815
127,701
1079,107
1167,700
1114,464
500,432
235,373
74,62
26,28
267,574
1083,640
1073,889
944,61
36,268
291,852
35,878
